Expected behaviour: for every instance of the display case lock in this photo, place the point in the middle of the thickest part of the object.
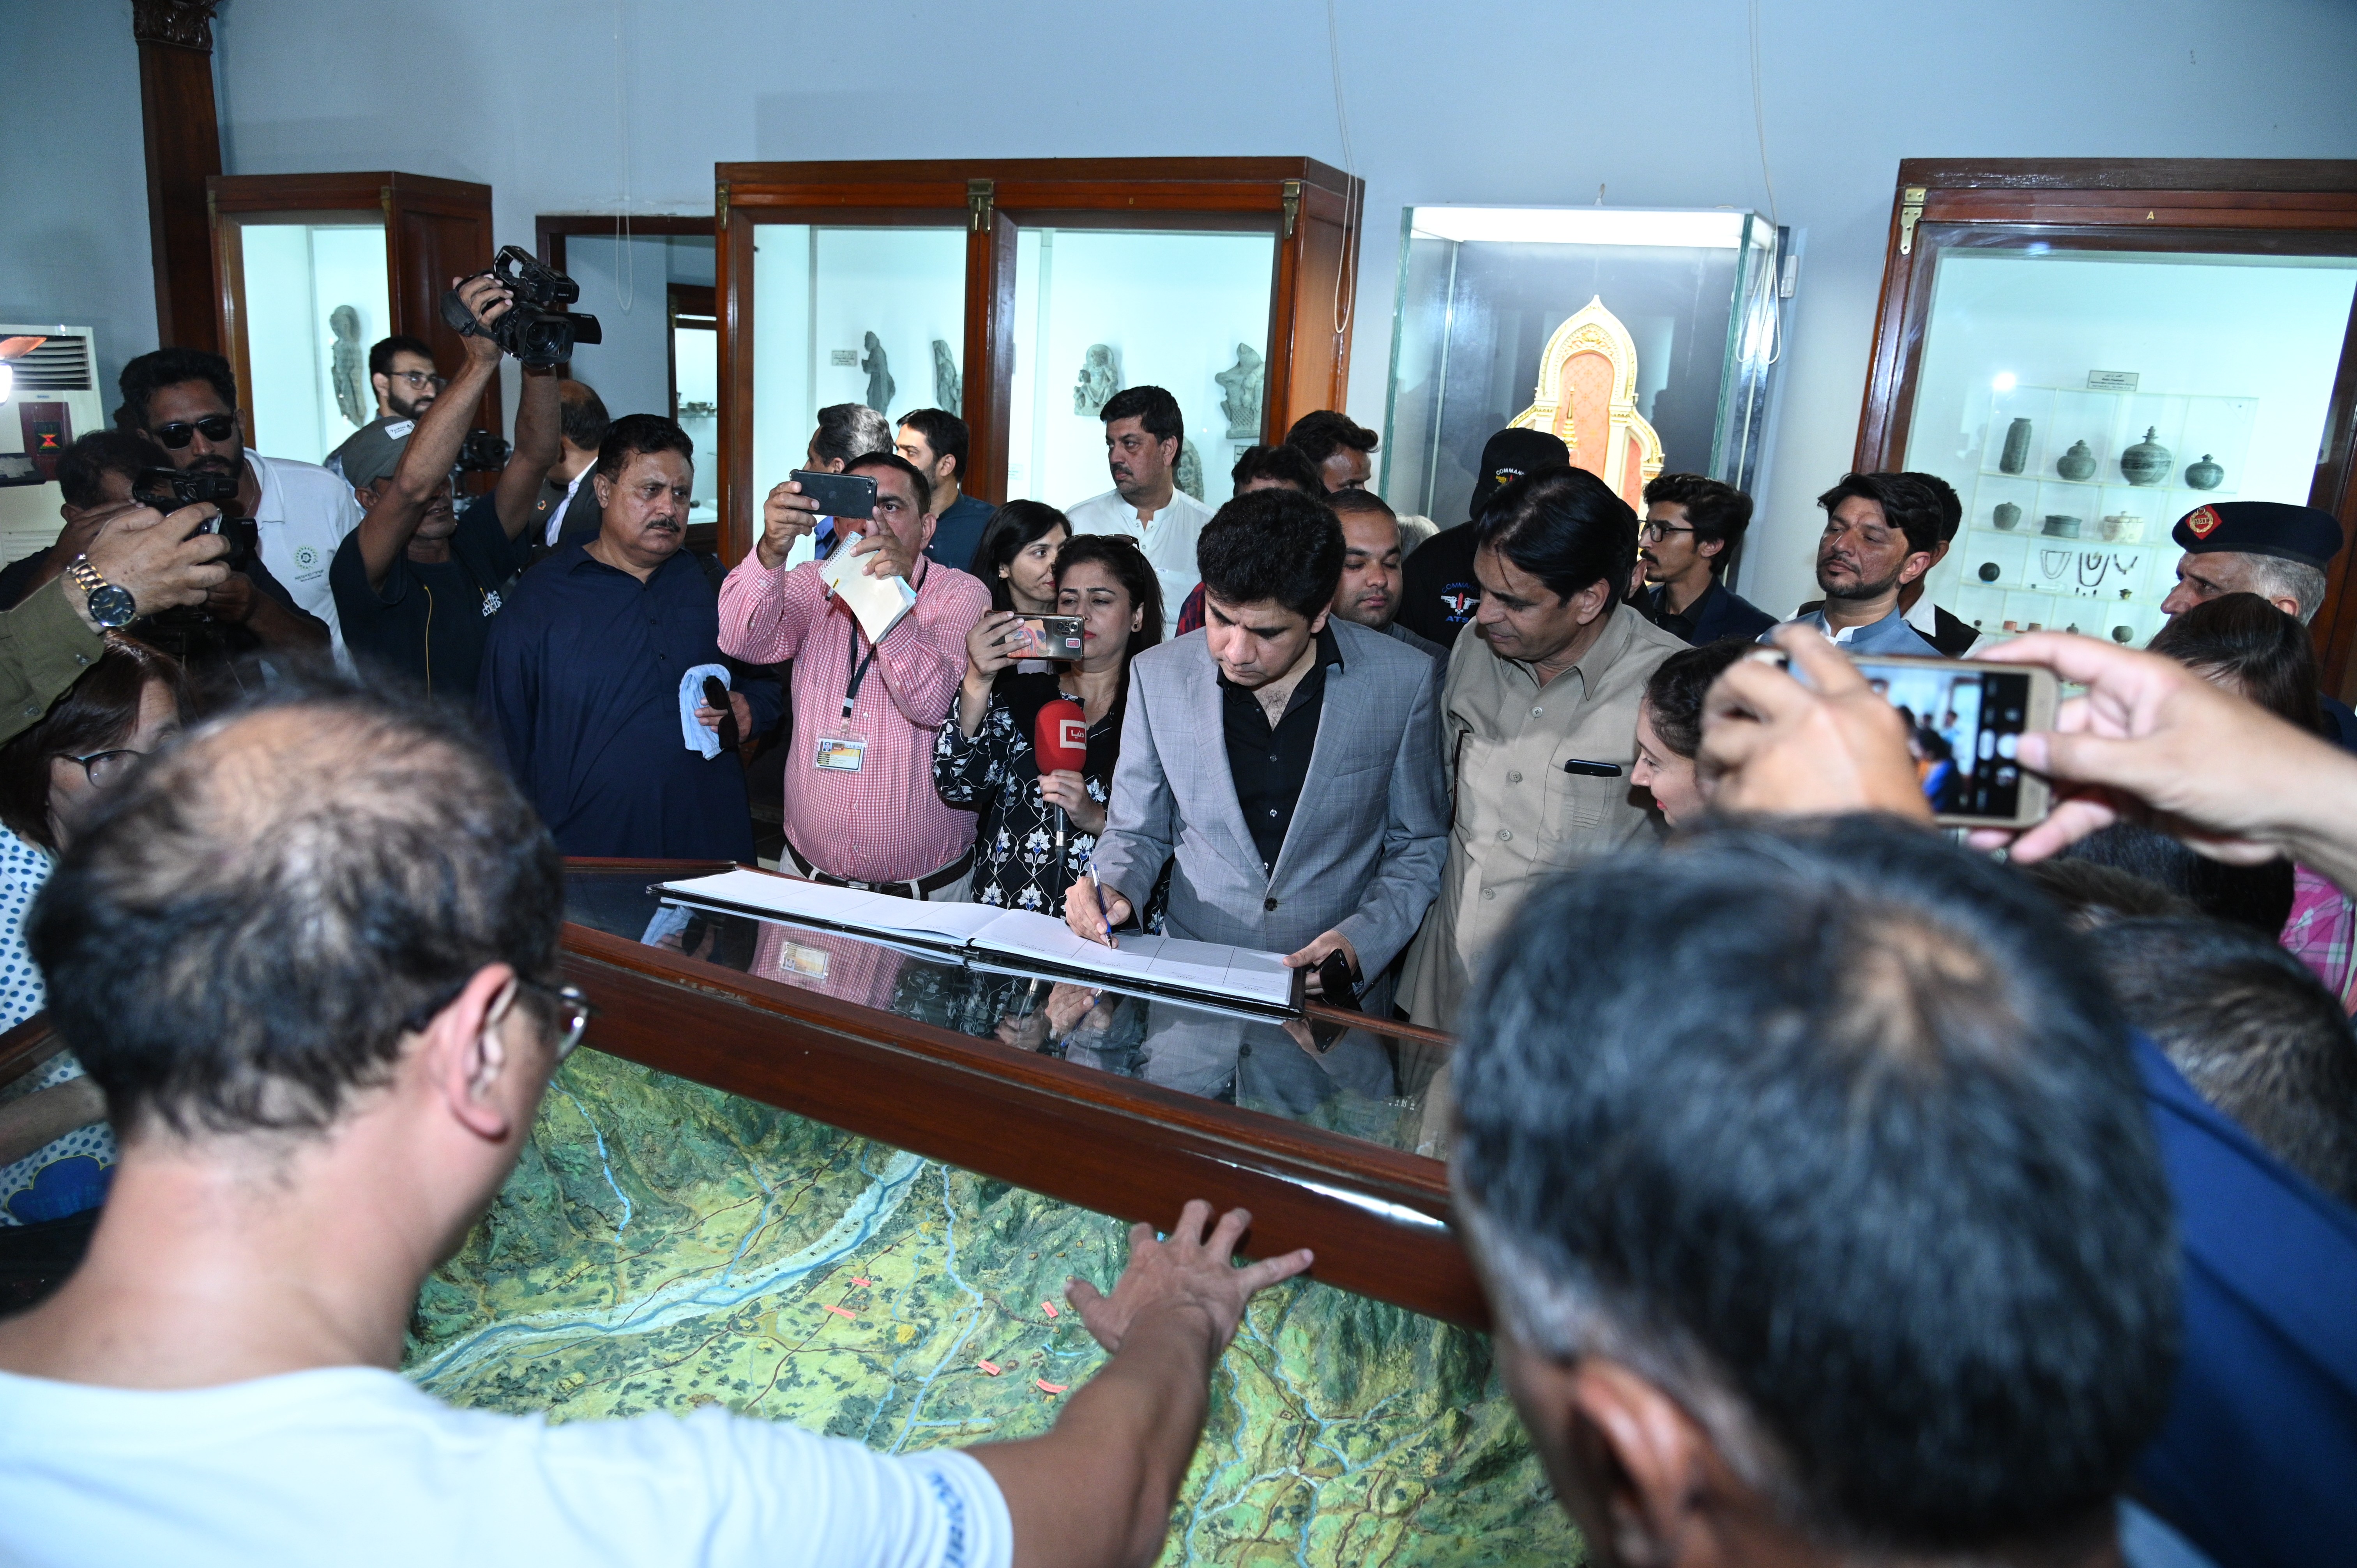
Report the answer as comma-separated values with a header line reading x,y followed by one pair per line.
x,y
1292,205
979,196
1910,207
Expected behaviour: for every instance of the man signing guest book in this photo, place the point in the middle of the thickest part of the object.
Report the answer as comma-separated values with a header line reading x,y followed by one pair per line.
x,y
1315,823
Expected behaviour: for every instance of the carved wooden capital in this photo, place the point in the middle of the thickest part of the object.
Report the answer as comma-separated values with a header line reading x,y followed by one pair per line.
x,y
187,24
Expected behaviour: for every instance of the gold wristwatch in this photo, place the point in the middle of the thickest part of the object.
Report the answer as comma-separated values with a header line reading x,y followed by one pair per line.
x,y
110,605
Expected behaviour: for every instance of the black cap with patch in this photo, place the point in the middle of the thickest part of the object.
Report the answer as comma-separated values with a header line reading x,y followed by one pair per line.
x,y
1510,454
2303,534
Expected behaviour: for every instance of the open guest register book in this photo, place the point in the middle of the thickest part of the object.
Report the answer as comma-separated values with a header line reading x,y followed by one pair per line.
x,y
990,938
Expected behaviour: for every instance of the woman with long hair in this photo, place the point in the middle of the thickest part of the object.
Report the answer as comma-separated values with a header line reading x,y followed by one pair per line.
x,y
983,757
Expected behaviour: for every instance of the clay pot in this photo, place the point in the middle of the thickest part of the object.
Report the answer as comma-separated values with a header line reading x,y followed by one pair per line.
x,y
2016,457
2077,464
2006,515
2205,475
2148,462
2061,527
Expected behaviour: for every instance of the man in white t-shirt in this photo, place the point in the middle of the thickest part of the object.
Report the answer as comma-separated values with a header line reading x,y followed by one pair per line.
x,y
1144,436
309,1125
186,398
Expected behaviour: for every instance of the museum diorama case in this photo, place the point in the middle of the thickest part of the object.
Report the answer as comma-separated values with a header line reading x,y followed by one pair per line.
x,y
2087,350
1021,295
313,269
1644,338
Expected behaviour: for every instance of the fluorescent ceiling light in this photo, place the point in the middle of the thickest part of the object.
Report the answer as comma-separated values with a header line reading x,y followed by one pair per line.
x,y
1702,228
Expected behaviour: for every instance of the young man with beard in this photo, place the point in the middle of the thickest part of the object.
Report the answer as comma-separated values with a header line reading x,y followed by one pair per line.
x,y
187,400
401,370
418,582
584,666
1882,533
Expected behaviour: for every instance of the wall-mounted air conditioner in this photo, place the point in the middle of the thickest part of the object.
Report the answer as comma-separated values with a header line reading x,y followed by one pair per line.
x,y
54,397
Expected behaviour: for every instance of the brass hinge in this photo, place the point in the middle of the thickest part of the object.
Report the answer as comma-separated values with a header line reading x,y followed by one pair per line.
x,y
384,198
1292,205
980,196
1910,207
720,203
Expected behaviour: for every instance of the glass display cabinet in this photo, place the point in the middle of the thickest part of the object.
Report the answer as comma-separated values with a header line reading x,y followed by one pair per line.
x,y
2088,350
1021,295
1644,338
315,268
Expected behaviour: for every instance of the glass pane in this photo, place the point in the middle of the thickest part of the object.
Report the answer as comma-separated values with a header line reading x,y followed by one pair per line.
x,y
316,299
696,375
1683,308
1099,309
873,316
2081,402
1366,1082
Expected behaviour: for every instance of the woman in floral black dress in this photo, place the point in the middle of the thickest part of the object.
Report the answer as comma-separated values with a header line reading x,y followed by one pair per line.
x,y
983,757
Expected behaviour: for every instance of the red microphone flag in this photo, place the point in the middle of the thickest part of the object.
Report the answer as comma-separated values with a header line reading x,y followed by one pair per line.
x,y
1060,738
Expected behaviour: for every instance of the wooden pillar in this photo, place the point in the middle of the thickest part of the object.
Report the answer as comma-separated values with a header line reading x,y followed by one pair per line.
x,y
176,101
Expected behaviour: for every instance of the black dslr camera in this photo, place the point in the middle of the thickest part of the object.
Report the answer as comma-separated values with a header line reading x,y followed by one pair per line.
x,y
169,489
536,329
483,451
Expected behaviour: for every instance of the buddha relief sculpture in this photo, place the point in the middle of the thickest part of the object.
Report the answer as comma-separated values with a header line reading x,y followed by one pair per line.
x,y
1188,476
347,367
947,388
1100,379
879,376
1241,384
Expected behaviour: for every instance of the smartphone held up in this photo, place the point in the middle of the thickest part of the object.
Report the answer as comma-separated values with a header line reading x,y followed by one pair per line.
x,y
1965,719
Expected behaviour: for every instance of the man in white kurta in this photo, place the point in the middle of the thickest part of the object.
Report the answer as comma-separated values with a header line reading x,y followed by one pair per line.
x,y
1143,434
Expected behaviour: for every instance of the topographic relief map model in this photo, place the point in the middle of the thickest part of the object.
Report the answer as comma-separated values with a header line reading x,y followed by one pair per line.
x,y
663,1246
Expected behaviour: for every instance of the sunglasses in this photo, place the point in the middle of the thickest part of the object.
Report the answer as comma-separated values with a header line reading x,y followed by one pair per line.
x,y
572,1011
212,427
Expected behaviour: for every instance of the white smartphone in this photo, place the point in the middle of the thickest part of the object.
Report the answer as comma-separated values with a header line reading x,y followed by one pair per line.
x,y
1966,719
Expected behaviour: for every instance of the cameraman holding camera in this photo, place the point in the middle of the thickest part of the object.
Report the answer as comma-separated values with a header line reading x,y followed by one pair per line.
x,y
186,400
418,583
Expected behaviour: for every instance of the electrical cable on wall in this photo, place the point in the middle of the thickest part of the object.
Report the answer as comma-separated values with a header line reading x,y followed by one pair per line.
x,y
1760,135
625,275
1345,282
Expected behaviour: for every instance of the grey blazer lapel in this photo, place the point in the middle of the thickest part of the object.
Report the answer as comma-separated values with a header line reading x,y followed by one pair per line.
x,y
1205,748
1339,729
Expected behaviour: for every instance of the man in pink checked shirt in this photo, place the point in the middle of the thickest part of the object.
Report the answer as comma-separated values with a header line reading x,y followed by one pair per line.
x,y
861,809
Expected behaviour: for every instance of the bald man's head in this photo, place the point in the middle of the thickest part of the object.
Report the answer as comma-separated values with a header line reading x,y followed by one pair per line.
x,y
582,418
237,939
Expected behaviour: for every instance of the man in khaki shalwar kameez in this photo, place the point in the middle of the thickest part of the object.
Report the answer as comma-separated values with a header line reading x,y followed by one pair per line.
x,y
1539,718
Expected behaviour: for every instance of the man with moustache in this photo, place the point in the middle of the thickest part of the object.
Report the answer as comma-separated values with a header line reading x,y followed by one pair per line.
x,y
186,399
401,370
1539,718
1882,534
1144,433
583,673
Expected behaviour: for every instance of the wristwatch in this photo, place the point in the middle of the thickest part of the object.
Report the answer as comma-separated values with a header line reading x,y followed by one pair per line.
x,y
110,605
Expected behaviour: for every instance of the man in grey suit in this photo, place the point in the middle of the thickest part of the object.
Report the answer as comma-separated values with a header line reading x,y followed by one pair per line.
x,y
1286,761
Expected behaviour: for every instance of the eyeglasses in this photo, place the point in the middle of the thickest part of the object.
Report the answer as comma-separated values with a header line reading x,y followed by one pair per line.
x,y
212,427
419,380
104,768
1654,533
572,1011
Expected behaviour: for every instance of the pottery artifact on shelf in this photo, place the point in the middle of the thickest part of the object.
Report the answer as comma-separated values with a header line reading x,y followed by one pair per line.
x,y
2077,464
2148,462
2206,474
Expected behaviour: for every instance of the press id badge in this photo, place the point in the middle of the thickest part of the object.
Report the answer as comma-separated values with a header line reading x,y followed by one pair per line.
x,y
840,753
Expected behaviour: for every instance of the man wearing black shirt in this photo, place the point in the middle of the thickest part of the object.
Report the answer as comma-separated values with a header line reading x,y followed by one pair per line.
x,y
1318,823
1439,593
418,583
1691,526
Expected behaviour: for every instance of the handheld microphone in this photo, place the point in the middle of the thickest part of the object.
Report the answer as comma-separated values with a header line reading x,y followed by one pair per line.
x,y
1059,739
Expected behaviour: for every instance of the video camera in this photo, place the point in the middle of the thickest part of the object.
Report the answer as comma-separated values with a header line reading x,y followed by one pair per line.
x,y
536,329
169,489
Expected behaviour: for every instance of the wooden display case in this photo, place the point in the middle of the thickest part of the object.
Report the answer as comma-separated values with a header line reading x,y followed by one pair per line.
x,y
2244,236
434,230
1308,212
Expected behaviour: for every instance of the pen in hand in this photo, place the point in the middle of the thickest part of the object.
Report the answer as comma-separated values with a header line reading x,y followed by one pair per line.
x,y
1096,894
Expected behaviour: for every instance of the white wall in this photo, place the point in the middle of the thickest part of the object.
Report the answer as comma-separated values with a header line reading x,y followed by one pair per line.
x,y
1478,101
73,218
626,286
